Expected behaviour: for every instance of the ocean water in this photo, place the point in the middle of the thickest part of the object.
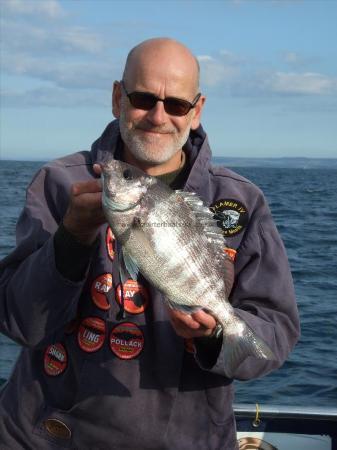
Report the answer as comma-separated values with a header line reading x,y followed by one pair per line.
x,y
304,205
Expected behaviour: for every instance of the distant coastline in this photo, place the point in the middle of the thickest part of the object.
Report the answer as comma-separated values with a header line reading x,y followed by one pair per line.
x,y
281,163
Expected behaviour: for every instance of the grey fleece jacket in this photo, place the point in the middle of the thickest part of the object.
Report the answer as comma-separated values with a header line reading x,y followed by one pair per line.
x,y
88,379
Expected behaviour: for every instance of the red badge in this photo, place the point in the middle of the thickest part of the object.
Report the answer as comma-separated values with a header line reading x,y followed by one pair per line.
x,y
91,334
231,253
55,360
99,290
126,340
136,297
189,345
110,243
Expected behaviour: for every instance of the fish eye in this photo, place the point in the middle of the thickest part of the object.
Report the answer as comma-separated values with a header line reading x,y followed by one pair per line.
x,y
127,174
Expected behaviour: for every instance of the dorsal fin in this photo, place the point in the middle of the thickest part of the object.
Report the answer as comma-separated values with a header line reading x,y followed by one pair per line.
x,y
207,222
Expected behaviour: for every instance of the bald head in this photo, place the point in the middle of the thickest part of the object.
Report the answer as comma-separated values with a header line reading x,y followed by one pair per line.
x,y
165,53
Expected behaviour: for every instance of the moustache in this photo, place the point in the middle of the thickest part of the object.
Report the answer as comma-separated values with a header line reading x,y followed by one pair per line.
x,y
159,130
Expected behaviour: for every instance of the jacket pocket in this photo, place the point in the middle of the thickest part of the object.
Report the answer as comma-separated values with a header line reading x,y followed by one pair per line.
x,y
219,395
54,426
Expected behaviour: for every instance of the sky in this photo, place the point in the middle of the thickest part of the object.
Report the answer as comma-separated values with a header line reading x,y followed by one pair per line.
x,y
268,70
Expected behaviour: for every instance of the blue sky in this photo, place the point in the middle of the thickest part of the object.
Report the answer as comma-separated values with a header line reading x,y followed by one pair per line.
x,y
268,70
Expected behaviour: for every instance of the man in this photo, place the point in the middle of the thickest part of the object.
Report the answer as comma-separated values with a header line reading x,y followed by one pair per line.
x,y
104,364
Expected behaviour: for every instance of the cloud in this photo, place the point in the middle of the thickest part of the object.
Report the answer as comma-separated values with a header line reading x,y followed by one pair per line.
x,y
242,77
307,83
54,97
298,61
39,39
63,73
50,9
216,71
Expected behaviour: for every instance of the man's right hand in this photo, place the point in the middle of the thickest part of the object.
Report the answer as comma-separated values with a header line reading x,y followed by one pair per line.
x,y
84,215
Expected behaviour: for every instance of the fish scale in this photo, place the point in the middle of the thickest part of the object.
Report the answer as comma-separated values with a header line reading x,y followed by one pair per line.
x,y
185,262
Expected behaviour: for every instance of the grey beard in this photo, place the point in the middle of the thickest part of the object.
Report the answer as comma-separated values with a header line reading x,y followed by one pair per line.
x,y
144,151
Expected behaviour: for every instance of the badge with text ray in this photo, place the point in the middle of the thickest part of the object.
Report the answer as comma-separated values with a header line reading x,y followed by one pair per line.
x,y
99,291
136,296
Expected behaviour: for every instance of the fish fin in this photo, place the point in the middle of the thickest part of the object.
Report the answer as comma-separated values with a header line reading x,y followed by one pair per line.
x,y
208,225
130,265
238,347
187,309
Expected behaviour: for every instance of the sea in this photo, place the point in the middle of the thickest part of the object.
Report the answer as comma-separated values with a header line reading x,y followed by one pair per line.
x,y
303,199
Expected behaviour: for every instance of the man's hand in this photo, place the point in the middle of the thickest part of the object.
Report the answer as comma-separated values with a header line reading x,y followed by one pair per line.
x,y
85,215
198,324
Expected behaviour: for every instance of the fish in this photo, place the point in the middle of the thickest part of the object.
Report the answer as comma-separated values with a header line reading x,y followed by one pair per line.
x,y
172,239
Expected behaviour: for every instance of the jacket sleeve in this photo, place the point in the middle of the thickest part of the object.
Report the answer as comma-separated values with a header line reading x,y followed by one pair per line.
x,y
36,301
263,296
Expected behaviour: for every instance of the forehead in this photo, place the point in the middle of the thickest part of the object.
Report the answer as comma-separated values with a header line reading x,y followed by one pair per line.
x,y
166,73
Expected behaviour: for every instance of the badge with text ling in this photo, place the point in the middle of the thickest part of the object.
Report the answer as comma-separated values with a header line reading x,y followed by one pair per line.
x,y
91,334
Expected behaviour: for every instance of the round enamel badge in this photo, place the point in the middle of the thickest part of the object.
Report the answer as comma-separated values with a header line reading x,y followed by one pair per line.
x,y
55,360
189,345
110,243
136,297
126,340
91,334
99,291
231,215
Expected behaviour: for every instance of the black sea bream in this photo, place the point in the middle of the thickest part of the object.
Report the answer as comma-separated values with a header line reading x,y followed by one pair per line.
x,y
173,240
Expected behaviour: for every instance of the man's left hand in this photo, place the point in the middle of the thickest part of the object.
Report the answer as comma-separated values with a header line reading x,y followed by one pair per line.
x,y
198,324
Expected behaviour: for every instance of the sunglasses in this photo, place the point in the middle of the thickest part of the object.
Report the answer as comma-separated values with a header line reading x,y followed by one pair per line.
x,y
172,105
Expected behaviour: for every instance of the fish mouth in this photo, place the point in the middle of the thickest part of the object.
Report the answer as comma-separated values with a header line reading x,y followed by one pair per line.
x,y
113,206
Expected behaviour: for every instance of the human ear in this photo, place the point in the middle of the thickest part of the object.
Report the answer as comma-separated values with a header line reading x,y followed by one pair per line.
x,y
197,112
116,99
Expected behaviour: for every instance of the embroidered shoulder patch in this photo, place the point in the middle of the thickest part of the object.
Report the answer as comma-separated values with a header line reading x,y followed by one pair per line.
x,y
231,215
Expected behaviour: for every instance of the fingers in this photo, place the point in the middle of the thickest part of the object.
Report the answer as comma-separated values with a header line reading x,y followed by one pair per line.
x,y
85,215
97,169
85,187
198,324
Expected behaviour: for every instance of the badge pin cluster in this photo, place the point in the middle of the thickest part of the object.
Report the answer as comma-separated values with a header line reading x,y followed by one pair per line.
x,y
231,215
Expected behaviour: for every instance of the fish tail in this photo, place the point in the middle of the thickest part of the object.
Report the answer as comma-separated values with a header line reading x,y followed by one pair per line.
x,y
238,346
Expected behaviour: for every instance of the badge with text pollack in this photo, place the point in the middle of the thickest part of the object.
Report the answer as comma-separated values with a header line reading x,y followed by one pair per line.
x,y
110,243
126,340
231,216
91,334
99,291
55,360
136,296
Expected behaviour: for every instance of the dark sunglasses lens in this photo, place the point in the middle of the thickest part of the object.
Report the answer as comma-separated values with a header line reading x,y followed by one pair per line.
x,y
176,107
143,101
173,106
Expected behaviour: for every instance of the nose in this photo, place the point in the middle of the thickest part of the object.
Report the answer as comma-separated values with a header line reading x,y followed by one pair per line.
x,y
157,115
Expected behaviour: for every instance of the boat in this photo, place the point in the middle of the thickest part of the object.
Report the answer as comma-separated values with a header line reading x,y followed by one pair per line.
x,y
268,427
